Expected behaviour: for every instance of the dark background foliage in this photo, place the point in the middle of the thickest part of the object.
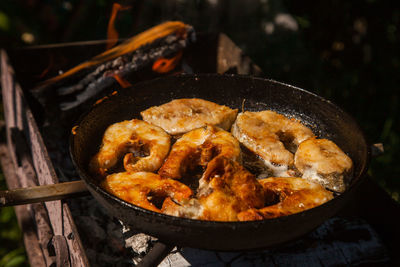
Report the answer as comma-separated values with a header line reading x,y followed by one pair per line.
x,y
345,51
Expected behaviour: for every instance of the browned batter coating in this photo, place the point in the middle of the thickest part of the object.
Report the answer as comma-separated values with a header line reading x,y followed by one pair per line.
x,y
292,195
138,187
142,146
322,161
183,115
271,136
225,190
197,148
211,156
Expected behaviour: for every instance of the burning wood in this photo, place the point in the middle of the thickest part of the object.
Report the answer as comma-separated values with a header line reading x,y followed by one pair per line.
x,y
159,48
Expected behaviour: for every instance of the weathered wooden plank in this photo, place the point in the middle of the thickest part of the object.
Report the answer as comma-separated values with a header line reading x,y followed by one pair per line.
x,y
57,211
44,231
7,82
41,160
10,168
26,177
73,240
25,221
60,247
30,158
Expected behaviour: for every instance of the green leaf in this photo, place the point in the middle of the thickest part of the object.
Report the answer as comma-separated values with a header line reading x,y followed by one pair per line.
x,y
10,257
16,261
6,214
4,22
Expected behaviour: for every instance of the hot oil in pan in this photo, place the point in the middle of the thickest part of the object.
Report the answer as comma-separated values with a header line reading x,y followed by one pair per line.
x,y
256,166
254,163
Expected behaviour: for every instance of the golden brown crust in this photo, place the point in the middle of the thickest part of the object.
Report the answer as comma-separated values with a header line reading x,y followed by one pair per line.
x,y
293,195
183,115
271,136
197,148
225,175
149,143
322,161
226,191
138,187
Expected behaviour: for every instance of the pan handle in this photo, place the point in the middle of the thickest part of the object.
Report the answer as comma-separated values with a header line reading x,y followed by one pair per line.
x,y
42,193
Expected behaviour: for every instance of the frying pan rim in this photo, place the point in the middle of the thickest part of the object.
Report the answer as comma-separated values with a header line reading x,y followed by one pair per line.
x,y
205,223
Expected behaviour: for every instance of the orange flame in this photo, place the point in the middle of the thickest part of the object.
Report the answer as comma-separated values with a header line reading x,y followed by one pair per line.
x,y
159,31
103,98
124,83
100,100
73,130
112,34
164,65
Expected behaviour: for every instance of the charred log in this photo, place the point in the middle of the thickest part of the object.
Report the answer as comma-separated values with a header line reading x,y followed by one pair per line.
x,y
125,67
76,89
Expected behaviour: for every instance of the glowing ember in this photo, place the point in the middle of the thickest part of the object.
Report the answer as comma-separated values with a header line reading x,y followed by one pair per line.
x,y
73,130
100,100
164,65
122,82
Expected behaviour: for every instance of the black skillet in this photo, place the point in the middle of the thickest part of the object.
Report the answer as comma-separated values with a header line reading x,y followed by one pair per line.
x,y
253,94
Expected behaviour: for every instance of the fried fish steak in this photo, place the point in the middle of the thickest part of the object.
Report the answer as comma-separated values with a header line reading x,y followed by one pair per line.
x,y
197,148
322,161
139,188
271,136
225,190
183,115
291,195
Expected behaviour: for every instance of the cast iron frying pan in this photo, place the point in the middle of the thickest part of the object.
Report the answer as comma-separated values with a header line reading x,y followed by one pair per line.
x,y
253,94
